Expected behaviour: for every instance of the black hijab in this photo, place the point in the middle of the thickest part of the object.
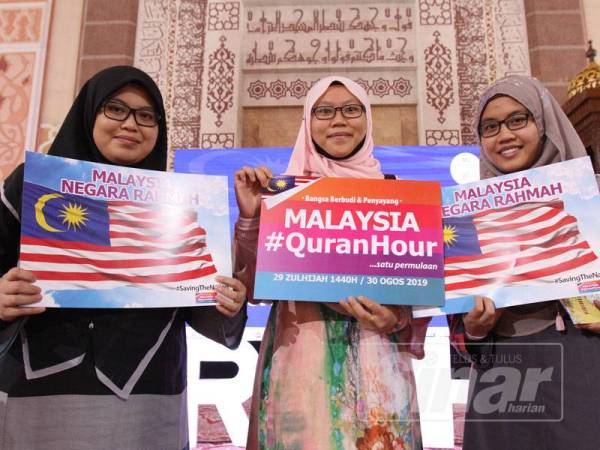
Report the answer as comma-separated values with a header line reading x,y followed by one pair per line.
x,y
56,335
79,123
75,138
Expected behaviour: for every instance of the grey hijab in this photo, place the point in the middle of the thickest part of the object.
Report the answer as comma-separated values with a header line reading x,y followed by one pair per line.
x,y
560,141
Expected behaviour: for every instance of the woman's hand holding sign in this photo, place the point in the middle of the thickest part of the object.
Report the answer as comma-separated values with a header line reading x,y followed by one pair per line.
x,y
231,295
16,291
482,318
248,182
374,316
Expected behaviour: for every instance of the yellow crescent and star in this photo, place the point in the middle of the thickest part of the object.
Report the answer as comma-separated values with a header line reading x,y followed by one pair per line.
x,y
280,186
449,235
73,215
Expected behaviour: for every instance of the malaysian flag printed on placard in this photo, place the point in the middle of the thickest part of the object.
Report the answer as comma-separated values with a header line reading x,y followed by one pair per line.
x,y
282,183
77,242
530,243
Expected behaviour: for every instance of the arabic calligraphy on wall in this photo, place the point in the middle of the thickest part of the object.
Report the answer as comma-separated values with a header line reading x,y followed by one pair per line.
x,y
332,51
349,18
374,35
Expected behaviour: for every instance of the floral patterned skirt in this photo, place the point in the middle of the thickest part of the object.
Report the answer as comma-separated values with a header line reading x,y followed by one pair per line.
x,y
322,382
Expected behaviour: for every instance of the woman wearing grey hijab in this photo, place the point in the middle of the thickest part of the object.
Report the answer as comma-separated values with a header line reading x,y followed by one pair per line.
x,y
532,384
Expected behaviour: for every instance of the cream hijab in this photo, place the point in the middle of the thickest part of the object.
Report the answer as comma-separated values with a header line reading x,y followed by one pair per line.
x,y
305,159
560,141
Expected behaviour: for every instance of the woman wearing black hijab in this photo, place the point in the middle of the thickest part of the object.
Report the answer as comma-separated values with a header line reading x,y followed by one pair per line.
x,y
98,378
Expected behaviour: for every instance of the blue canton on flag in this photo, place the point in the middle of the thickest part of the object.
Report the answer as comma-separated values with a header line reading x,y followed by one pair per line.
x,y
50,215
460,237
280,183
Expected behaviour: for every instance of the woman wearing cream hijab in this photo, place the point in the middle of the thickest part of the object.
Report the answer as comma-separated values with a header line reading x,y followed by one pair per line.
x,y
330,376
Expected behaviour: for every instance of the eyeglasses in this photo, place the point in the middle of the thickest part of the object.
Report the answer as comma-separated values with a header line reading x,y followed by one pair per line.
x,y
328,112
491,128
117,110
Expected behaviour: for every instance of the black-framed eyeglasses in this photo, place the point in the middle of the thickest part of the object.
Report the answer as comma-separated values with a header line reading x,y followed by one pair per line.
x,y
490,128
117,110
348,111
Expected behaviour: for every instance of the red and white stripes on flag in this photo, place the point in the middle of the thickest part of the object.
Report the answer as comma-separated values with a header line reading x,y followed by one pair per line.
x,y
530,243
147,247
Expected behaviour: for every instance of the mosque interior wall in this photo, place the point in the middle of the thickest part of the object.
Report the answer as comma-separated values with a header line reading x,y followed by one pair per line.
x,y
222,63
